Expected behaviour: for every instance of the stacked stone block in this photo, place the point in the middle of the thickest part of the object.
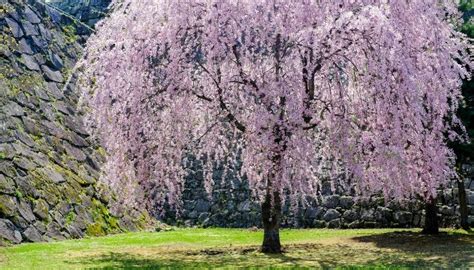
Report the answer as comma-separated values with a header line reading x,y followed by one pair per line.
x,y
49,166
231,205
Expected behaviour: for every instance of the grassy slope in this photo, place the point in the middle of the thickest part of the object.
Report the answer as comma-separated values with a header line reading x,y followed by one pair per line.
x,y
228,248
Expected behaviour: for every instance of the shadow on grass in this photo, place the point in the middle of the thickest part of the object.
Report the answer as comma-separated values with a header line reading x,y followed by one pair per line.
x,y
415,241
450,250
392,250
127,261
248,258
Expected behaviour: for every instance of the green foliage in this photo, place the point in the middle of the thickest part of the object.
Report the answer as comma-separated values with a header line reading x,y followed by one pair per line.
x,y
70,34
18,193
70,217
466,111
466,5
468,29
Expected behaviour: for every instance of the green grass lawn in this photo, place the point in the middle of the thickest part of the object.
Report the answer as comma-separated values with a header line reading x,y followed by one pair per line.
x,y
232,248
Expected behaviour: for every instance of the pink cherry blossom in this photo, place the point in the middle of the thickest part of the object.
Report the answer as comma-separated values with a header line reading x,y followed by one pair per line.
x,y
303,88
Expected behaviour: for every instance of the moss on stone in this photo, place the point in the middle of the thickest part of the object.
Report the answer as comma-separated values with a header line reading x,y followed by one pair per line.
x,y
21,83
104,222
49,190
67,173
36,138
95,229
18,194
27,86
114,225
103,219
7,42
7,206
143,220
71,193
6,72
70,34
70,217
101,151
5,9
41,209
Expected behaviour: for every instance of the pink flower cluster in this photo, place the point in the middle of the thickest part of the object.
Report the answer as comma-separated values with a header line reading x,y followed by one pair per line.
x,y
367,86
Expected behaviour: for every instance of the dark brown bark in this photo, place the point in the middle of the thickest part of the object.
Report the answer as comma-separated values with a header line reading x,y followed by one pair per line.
x,y
271,207
464,211
271,213
431,218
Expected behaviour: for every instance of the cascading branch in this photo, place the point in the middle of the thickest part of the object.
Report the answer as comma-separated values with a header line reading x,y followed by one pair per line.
x,y
373,85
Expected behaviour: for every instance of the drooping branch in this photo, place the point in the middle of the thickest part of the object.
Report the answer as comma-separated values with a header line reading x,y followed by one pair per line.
x,y
230,116
356,73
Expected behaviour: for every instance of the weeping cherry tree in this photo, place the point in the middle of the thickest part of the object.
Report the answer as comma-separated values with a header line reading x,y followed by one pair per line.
x,y
372,85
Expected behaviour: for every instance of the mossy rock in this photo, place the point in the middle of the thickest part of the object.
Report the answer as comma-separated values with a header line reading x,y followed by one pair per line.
x,y
73,179
71,192
41,209
7,185
7,169
41,123
8,206
143,220
70,218
51,194
95,229
102,217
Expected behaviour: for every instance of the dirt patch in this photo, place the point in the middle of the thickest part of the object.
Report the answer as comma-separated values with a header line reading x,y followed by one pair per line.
x,y
208,252
222,251
248,250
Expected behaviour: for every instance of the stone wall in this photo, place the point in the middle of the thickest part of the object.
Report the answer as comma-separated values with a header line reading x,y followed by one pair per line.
x,y
230,205
48,165
86,11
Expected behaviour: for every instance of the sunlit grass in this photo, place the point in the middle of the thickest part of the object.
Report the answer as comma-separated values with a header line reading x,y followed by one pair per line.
x,y
230,248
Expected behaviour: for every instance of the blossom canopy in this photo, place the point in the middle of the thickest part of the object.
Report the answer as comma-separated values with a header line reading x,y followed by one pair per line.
x,y
295,90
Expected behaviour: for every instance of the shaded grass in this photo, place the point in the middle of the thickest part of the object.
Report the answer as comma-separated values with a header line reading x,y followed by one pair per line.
x,y
231,248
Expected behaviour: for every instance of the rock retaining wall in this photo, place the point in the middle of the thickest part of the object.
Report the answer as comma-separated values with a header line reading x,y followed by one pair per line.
x,y
48,165
86,11
230,205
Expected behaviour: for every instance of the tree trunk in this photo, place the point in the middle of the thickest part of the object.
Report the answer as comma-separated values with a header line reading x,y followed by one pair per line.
x,y
271,207
271,213
463,205
431,218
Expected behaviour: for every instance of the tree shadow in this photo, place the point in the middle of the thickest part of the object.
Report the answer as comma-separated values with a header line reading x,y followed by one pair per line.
x,y
198,259
452,250
231,258
389,250
415,241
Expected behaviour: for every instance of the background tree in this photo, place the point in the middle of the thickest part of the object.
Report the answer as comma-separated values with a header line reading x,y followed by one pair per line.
x,y
465,151
294,84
